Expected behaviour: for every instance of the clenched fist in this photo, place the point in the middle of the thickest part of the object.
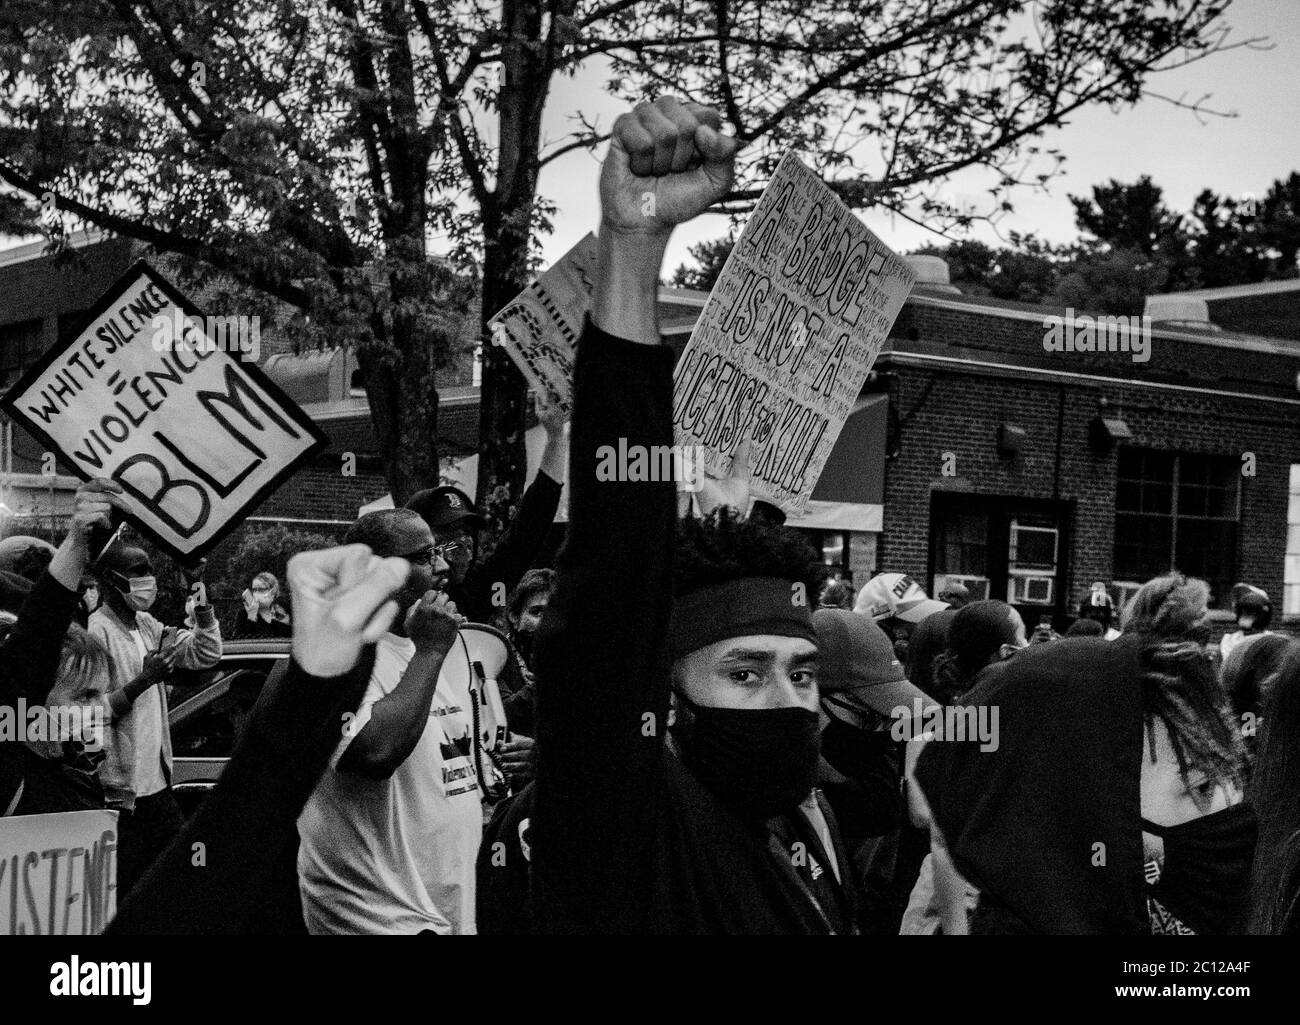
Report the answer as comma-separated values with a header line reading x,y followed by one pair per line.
x,y
432,622
342,599
668,161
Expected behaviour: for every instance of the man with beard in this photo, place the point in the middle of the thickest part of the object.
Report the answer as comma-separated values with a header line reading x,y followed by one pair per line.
x,y
389,836
479,586
714,828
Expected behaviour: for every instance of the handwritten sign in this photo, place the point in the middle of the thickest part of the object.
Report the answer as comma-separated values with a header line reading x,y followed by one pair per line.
x,y
151,396
58,873
787,337
541,326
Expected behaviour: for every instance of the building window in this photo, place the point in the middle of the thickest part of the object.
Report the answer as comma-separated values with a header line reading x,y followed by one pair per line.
x,y
1177,511
20,344
964,544
1291,571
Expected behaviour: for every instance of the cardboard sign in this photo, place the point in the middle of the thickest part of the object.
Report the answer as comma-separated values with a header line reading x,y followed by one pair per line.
x,y
790,330
58,873
541,325
152,395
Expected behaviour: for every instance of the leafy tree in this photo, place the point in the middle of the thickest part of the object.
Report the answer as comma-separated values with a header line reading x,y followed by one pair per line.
x,y
1110,281
310,149
1132,217
710,257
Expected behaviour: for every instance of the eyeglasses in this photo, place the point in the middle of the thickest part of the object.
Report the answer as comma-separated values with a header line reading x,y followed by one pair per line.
x,y
451,546
424,557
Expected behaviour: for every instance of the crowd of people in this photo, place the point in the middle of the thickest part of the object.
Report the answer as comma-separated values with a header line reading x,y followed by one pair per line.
x,y
726,741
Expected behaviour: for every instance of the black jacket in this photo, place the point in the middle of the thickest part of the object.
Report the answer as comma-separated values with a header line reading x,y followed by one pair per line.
x,y
513,555
624,839
248,825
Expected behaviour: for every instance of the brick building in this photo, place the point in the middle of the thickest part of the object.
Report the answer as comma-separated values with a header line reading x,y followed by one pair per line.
x,y
1032,473
974,452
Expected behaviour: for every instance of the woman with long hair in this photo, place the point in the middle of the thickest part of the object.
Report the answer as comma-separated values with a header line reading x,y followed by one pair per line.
x,y
1275,877
1110,800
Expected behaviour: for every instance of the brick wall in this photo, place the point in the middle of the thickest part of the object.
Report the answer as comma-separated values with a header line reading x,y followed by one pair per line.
x,y
958,410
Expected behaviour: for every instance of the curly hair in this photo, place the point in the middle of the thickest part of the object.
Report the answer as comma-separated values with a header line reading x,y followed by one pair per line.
x,y
1180,689
723,546
1275,878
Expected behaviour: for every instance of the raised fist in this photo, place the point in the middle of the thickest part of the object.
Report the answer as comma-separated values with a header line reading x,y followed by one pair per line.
x,y
668,161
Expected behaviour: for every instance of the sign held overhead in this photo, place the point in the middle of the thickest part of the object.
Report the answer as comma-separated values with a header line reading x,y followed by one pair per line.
x,y
787,337
149,395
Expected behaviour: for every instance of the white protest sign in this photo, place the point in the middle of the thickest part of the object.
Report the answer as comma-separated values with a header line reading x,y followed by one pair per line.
x,y
540,327
785,341
58,873
151,394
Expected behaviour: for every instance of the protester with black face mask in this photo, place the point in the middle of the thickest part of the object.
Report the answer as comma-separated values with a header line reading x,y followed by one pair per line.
x,y
634,831
136,772
1153,837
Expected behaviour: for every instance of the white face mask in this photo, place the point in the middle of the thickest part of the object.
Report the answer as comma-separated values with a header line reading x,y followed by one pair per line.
x,y
143,592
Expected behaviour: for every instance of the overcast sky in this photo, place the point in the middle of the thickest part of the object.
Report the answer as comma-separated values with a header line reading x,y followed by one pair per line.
x,y
1237,155
1183,155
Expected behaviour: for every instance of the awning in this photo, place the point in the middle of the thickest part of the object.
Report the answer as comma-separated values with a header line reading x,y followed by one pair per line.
x,y
850,494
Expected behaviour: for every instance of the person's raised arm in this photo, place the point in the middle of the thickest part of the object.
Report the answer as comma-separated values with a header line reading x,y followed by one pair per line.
x,y
602,666
32,649
342,602
398,720
517,548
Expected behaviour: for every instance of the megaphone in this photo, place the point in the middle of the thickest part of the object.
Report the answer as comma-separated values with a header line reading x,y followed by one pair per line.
x,y
473,666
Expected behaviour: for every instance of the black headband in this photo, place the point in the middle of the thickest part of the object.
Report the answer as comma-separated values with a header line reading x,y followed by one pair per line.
x,y
739,608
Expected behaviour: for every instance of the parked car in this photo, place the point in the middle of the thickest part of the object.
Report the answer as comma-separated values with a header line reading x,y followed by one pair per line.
x,y
208,708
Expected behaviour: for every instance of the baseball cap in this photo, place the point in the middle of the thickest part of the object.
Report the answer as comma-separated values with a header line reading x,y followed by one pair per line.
x,y
898,595
855,660
443,506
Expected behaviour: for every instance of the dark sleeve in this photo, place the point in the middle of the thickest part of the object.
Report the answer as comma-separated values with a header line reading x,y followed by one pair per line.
x,y
867,799
30,656
519,544
29,661
248,825
520,709
602,667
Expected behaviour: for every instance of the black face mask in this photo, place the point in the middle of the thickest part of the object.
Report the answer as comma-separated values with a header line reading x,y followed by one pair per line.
x,y
1205,880
524,645
760,761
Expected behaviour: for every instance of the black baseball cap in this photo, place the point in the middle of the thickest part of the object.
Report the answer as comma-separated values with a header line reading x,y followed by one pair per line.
x,y
441,507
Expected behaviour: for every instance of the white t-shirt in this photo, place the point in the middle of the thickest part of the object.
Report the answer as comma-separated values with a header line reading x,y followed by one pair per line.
x,y
396,855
